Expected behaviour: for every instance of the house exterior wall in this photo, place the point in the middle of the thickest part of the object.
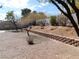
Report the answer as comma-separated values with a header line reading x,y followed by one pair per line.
x,y
44,21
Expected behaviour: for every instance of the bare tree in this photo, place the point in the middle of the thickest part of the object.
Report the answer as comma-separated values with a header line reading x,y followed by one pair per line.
x,y
10,17
62,20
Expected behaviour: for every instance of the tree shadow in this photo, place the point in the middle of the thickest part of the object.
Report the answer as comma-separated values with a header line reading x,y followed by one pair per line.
x,y
15,31
36,39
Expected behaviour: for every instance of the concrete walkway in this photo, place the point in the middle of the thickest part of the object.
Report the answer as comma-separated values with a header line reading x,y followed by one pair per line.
x,y
15,46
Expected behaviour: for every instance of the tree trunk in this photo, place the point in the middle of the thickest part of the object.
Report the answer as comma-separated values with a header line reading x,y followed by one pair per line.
x,y
77,15
74,24
68,14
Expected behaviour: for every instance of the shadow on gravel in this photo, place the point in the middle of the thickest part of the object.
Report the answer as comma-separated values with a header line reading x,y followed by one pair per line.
x,y
34,39
14,31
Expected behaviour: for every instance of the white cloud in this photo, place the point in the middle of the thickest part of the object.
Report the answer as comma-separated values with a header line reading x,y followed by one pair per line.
x,y
19,4
15,3
2,16
33,7
40,6
17,14
44,4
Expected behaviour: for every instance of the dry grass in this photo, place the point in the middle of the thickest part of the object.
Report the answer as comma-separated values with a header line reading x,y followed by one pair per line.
x,y
58,30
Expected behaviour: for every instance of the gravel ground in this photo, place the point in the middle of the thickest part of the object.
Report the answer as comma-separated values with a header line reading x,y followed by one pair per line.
x,y
15,46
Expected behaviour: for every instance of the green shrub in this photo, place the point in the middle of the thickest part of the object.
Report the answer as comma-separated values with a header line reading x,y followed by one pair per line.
x,y
53,20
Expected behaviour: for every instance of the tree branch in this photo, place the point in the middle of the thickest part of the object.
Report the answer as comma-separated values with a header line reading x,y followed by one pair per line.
x,y
59,7
73,1
68,14
74,8
73,5
64,5
68,9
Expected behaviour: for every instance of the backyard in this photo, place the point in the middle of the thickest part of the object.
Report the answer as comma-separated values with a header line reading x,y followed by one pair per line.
x,y
39,29
14,46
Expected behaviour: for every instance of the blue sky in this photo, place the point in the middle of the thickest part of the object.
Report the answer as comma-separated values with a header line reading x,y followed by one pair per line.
x,y
17,5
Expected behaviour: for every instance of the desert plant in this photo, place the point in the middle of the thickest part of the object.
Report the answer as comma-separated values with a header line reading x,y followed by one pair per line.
x,y
25,11
53,20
